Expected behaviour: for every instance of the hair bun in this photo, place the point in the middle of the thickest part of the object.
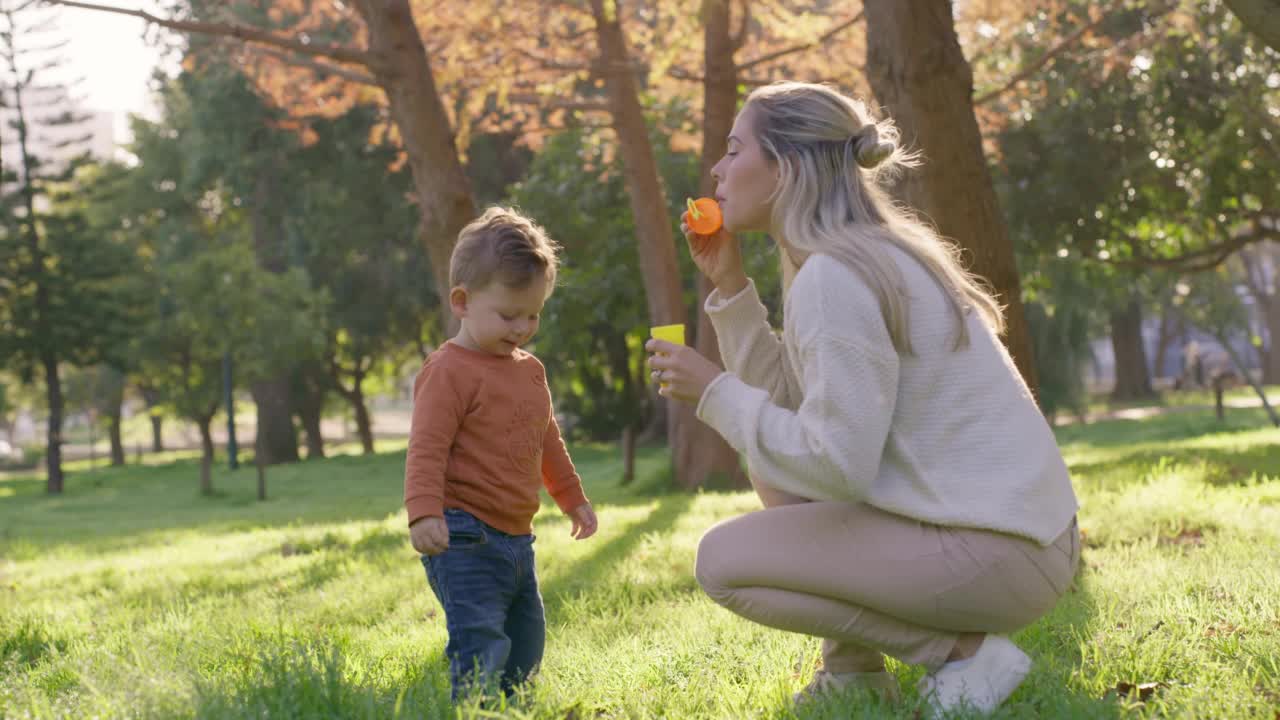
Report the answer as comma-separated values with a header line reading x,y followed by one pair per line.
x,y
869,149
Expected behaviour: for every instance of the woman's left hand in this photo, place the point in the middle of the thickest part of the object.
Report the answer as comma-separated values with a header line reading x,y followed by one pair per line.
x,y
681,372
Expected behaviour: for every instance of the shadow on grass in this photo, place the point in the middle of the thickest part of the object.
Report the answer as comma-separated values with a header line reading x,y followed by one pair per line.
x,y
587,575
116,508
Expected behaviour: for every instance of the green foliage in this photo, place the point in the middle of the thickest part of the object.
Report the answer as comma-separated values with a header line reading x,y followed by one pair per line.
x,y
1160,154
71,289
595,324
355,234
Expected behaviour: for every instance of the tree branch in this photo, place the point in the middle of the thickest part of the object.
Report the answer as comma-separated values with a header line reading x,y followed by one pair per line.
x,y
319,66
682,74
1205,258
243,33
802,46
744,25
549,64
560,104
1043,60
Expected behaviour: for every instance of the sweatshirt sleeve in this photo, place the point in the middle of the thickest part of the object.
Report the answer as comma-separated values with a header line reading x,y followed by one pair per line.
x,y
558,474
750,347
438,410
830,447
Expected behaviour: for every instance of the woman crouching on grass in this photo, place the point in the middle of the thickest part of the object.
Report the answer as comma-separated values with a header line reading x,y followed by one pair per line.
x,y
916,503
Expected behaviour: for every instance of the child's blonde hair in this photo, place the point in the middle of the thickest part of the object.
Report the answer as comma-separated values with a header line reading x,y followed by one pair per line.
x,y
503,245
830,153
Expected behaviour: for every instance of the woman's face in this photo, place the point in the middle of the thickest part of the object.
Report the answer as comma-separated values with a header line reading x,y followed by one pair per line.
x,y
745,179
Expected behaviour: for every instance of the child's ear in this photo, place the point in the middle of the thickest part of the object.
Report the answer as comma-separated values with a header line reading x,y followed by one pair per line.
x,y
458,301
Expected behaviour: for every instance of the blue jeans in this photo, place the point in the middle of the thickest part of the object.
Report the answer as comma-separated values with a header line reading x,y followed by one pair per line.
x,y
487,585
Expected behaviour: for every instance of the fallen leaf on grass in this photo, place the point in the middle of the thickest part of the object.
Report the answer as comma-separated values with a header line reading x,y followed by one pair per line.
x,y
1141,692
1189,537
1222,629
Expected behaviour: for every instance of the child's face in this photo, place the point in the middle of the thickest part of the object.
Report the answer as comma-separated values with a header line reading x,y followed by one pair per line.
x,y
497,319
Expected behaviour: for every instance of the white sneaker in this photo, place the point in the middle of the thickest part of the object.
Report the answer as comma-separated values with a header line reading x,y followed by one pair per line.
x,y
883,683
981,682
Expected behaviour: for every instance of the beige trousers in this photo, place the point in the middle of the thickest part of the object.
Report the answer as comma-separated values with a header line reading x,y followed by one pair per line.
x,y
872,583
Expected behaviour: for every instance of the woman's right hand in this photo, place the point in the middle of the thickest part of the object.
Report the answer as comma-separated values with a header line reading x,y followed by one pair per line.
x,y
720,259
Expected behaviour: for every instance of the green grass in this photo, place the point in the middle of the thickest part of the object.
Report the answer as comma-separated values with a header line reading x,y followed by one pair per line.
x,y
132,596
1191,398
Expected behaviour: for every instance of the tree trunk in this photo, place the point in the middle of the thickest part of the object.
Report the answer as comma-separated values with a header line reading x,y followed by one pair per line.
x,y
309,418
308,398
113,432
919,74
628,455
706,455
364,426
276,441
658,264
1168,331
114,410
206,454
403,70
152,399
1133,380
53,443
355,396
157,432
1270,306
1260,17
1244,373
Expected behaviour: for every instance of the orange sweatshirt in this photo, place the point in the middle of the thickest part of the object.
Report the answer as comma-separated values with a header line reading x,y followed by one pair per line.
x,y
484,439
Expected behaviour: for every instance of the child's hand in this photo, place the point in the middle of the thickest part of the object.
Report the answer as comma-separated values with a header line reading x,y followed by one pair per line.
x,y
430,535
584,521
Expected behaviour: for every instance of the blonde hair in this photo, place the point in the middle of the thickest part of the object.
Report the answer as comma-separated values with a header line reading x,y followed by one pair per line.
x,y
831,156
502,245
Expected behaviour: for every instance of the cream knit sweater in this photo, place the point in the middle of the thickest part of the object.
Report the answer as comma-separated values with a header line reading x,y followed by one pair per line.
x,y
832,412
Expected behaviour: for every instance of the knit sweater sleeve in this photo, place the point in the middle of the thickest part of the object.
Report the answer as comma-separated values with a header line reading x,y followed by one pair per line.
x,y
749,346
438,410
830,447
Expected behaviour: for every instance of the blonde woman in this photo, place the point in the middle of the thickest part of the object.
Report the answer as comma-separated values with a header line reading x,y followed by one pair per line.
x,y
916,504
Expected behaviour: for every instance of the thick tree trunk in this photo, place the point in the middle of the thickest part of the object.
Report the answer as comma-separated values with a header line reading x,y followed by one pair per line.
x,y
1133,380
919,74
53,440
309,389
707,456
276,441
309,418
206,454
658,264
403,70
1260,17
